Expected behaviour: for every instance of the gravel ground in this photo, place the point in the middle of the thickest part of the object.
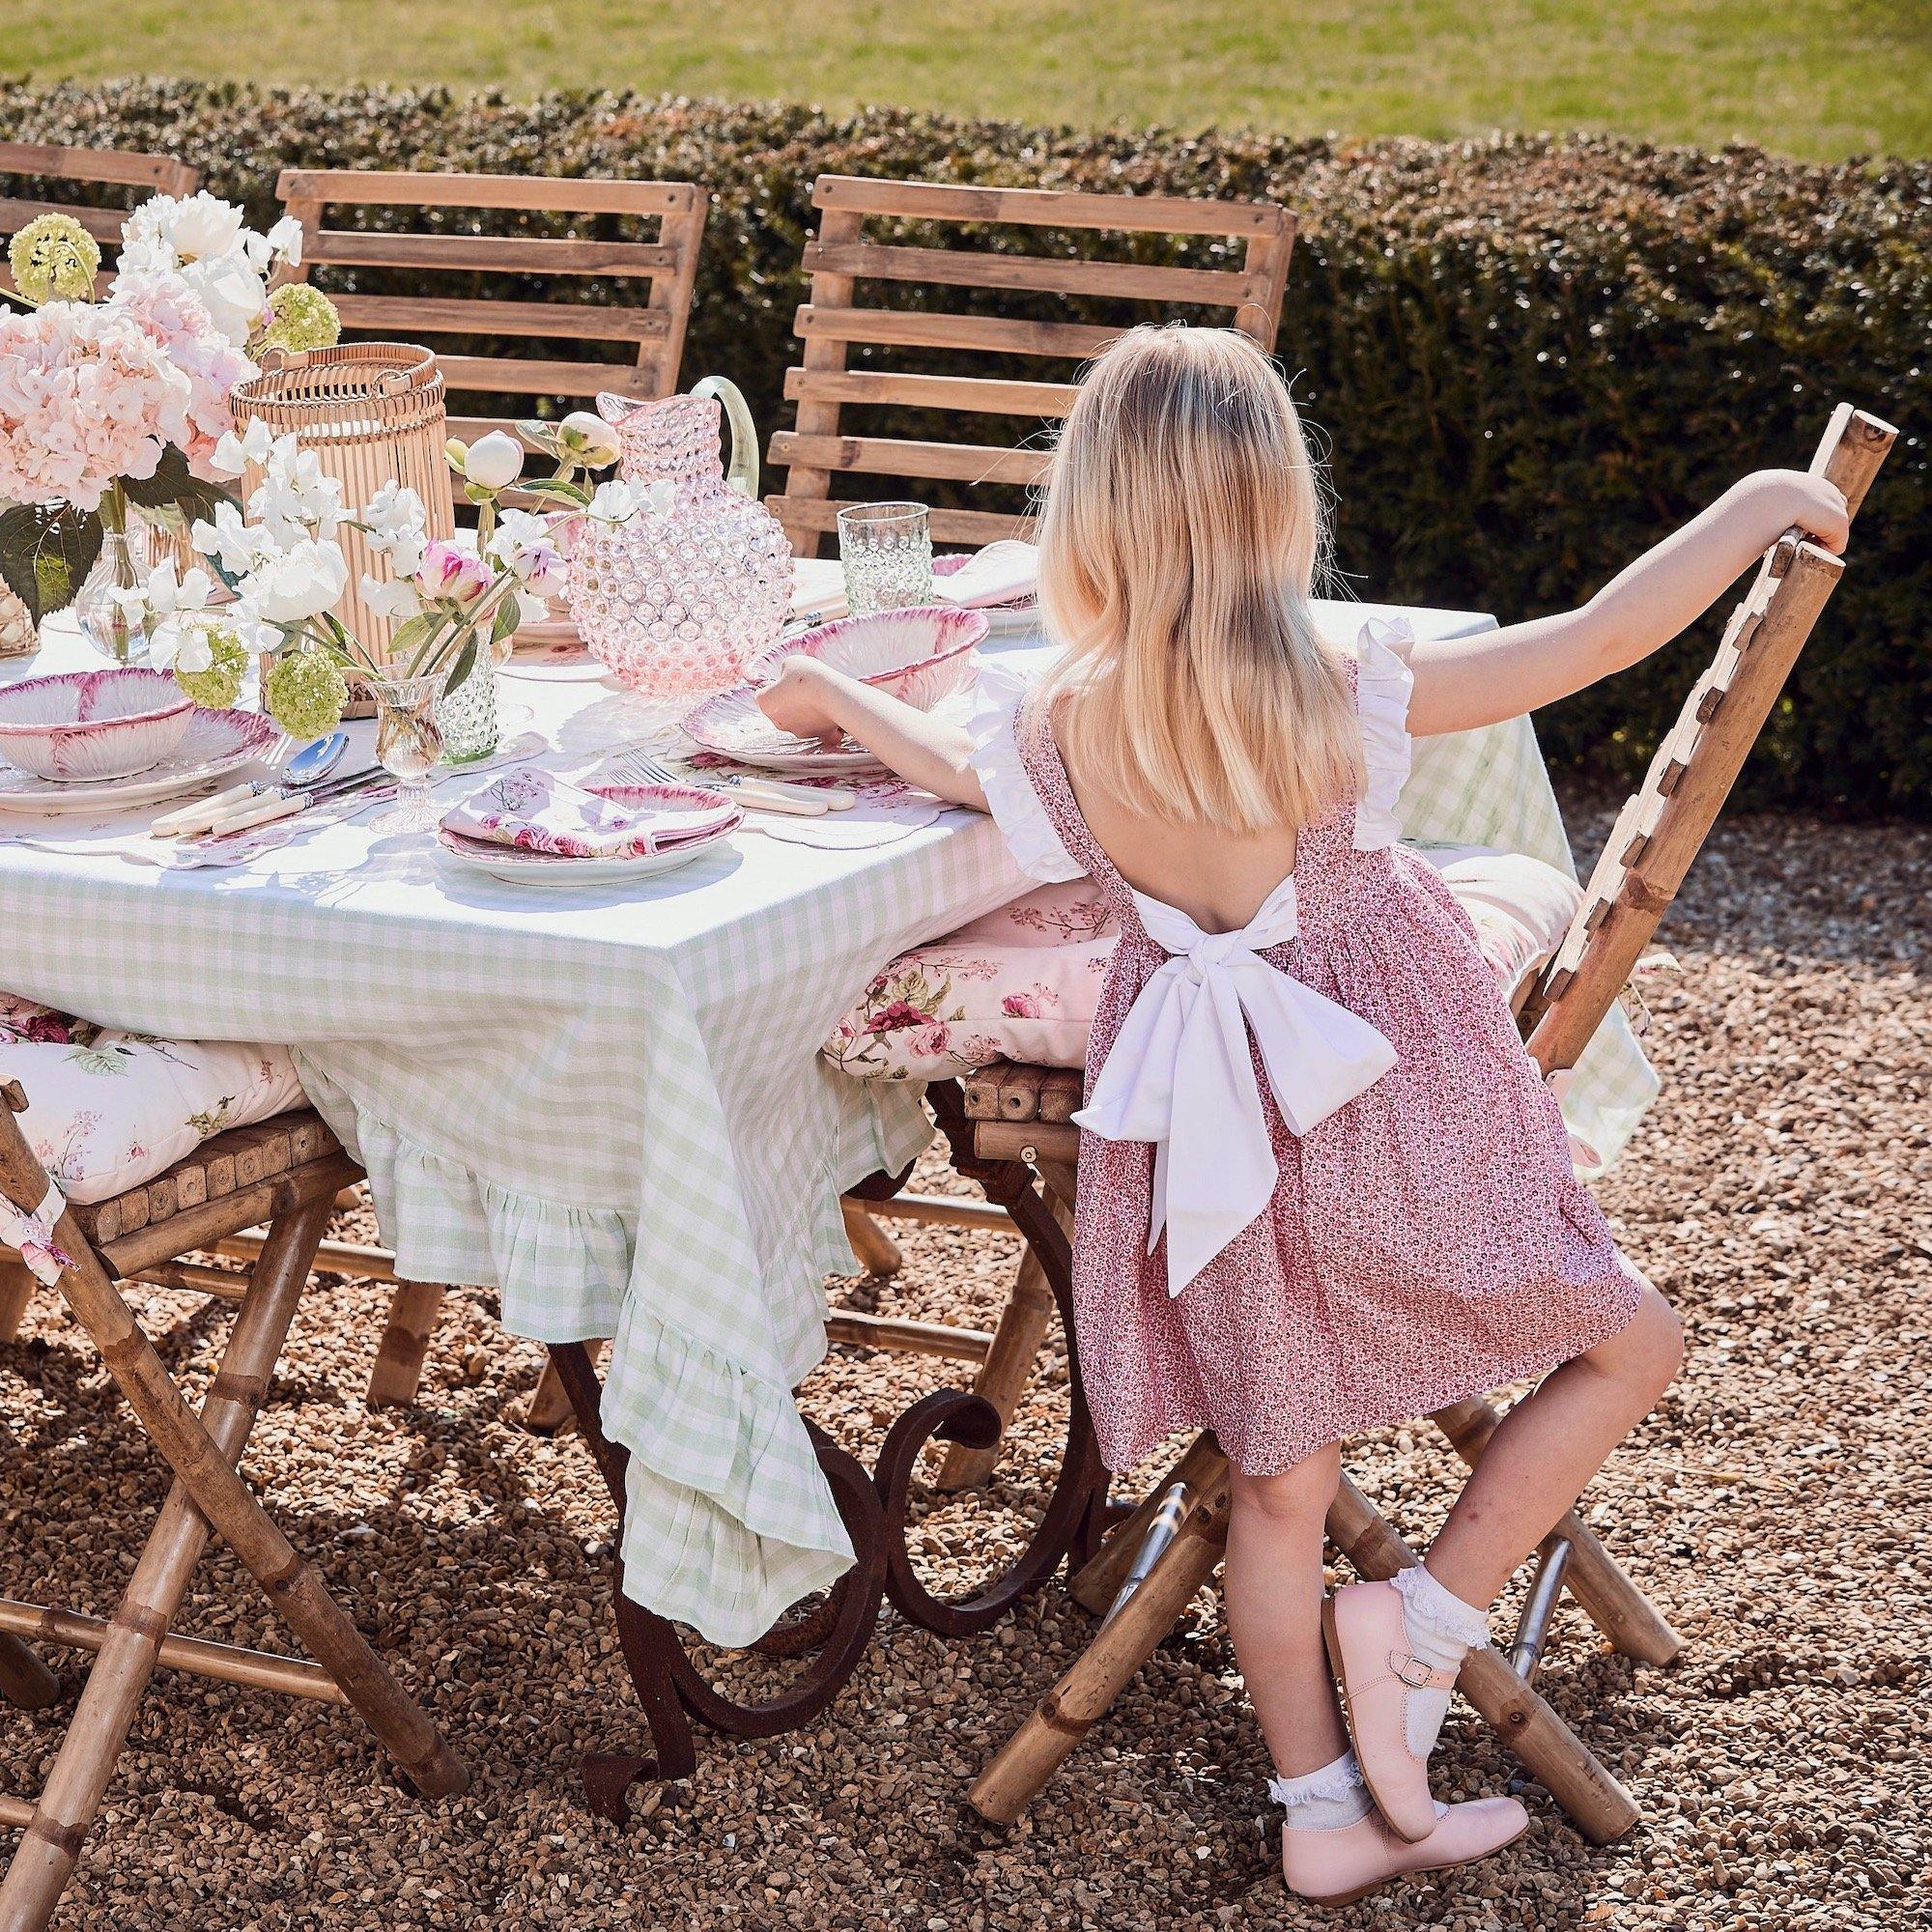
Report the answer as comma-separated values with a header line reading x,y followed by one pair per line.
x,y
1773,1506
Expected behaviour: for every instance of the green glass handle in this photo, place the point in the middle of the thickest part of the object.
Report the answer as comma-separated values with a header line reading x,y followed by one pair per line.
x,y
742,471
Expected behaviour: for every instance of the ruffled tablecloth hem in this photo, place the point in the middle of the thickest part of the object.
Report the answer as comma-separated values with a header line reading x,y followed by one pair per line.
x,y
722,1485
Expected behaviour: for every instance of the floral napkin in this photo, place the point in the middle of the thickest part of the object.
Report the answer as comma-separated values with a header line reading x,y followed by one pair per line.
x,y
536,810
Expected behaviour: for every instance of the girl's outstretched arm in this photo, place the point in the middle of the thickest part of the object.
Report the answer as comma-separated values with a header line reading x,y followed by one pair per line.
x,y
1462,683
816,701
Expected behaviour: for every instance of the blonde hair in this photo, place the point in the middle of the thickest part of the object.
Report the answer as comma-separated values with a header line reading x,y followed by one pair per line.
x,y
1178,543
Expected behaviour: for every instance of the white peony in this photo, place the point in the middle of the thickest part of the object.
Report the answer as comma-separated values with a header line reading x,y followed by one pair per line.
x,y
494,462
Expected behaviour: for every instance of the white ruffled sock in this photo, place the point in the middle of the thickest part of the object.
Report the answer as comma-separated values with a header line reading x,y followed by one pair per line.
x,y
1324,1800
1441,1630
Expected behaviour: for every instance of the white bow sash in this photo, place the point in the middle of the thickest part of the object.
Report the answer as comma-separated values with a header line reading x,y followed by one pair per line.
x,y
32,1235
1180,1073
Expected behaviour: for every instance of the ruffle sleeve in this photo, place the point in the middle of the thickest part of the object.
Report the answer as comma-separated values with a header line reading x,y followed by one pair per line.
x,y
1382,688
994,727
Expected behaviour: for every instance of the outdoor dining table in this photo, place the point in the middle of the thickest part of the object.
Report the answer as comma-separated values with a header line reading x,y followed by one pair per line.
x,y
609,1103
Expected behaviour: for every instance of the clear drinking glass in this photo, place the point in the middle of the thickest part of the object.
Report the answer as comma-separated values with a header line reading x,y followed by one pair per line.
x,y
408,746
887,551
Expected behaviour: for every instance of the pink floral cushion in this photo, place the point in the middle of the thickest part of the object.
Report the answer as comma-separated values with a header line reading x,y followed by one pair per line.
x,y
1022,983
106,1111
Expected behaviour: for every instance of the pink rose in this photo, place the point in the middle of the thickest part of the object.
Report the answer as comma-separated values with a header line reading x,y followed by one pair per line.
x,y
455,575
935,1043
897,1017
1020,1006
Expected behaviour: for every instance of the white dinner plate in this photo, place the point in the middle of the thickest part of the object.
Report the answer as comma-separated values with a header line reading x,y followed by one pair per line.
x,y
216,743
733,727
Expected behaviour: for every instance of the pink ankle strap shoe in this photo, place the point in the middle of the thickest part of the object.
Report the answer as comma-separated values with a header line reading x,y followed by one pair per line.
x,y
1368,1650
1339,1865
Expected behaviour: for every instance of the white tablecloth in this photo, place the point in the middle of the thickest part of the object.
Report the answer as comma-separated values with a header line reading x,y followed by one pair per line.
x,y
609,1104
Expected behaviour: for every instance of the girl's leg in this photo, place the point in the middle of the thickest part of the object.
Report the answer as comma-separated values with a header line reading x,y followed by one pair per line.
x,y
1548,1448
1271,1588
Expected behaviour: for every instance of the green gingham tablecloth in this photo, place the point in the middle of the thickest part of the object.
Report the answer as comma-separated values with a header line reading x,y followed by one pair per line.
x,y
610,1105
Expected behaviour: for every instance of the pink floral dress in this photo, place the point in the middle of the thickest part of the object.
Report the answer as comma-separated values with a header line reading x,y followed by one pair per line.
x,y
1421,1240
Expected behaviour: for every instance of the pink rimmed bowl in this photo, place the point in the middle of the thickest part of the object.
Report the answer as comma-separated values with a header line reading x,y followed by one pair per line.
x,y
921,654
84,725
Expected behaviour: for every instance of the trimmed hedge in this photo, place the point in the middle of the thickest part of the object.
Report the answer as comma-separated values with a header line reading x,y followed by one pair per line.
x,y
1529,357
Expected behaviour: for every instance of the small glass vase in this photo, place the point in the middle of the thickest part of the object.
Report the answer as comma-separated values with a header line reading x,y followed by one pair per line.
x,y
408,746
467,717
120,566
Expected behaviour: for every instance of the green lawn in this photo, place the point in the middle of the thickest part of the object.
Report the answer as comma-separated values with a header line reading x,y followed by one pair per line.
x,y
1814,78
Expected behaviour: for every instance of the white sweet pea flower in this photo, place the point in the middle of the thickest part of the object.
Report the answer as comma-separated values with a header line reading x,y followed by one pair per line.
x,y
169,595
238,546
232,454
494,462
517,531
285,239
192,651
398,599
296,498
617,503
301,581
530,609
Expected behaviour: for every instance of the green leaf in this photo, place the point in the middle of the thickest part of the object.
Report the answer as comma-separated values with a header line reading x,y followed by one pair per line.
x,y
466,662
411,634
573,493
509,614
171,476
47,553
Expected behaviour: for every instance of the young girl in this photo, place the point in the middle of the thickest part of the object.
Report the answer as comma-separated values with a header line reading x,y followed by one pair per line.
x,y
1321,1185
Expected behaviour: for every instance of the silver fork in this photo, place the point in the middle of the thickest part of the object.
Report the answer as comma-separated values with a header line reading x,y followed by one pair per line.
x,y
762,794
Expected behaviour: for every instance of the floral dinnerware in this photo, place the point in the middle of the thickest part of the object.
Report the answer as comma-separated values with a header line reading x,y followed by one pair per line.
x,y
216,743
92,724
919,655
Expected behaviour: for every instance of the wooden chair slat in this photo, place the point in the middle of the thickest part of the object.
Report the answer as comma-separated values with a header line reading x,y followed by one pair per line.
x,y
1047,208
980,395
1045,274
509,254
807,515
667,266
588,322
831,322
886,456
929,328
163,174
572,194
515,375
102,223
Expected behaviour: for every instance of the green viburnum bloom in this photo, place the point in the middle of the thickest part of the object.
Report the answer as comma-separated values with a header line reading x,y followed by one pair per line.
x,y
305,692
300,319
54,257
220,684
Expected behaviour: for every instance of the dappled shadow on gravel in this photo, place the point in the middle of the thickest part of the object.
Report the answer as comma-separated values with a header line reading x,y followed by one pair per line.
x,y
1773,1506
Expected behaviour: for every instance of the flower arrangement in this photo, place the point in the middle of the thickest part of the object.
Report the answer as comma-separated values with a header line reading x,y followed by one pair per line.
x,y
279,555
112,411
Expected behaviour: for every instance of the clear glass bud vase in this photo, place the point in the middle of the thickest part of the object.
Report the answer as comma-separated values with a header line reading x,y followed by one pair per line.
x,y
467,717
120,566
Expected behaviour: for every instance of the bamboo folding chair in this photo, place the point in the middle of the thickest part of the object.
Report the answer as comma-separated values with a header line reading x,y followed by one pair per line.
x,y
832,324
88,167
285,1172
656,327
1016,1122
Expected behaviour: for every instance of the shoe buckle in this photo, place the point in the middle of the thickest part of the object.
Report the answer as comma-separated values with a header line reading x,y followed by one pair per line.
x,y
1410,1670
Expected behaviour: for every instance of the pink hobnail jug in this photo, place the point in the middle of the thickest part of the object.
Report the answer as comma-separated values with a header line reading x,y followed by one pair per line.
x,y
678,600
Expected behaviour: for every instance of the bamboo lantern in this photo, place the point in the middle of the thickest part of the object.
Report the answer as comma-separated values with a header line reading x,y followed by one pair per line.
x,y
372,413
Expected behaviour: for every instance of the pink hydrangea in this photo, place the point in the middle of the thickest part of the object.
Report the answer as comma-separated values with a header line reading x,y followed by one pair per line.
x,y
173,316
86,397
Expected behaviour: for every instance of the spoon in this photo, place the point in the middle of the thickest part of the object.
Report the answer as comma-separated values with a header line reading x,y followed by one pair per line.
x,y
307,767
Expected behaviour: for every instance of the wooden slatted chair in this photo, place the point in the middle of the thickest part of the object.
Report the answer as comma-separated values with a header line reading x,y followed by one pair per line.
x,y
460,246
89,168
832,324
286,1173
1154,1562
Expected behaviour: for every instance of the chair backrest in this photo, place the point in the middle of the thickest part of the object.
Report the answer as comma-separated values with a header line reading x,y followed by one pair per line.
x,y
832,323
1665,822
465,245
89,167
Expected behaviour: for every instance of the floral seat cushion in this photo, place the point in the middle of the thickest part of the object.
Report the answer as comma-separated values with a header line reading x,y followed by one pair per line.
x,y
107,1110
1022,983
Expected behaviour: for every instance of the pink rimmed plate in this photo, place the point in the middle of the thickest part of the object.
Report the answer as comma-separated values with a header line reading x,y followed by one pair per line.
x,y
733,727
215,744
687,820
